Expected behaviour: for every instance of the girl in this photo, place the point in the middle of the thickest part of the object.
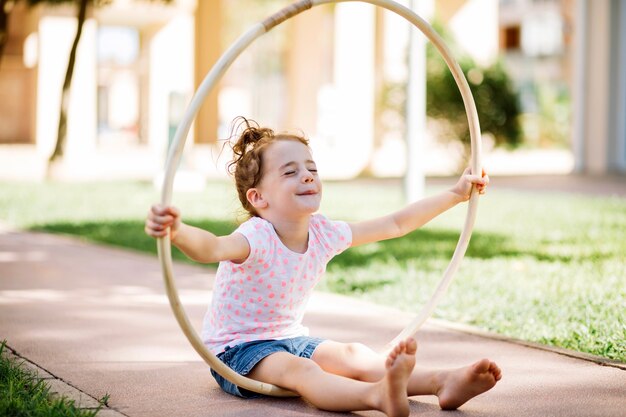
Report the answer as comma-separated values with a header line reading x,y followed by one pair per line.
x,y
269,266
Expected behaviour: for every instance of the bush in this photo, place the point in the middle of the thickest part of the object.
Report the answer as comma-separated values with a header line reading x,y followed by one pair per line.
x,y
496,99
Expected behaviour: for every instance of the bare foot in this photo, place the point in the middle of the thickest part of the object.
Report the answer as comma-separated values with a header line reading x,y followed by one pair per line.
x,y
399,364
461,385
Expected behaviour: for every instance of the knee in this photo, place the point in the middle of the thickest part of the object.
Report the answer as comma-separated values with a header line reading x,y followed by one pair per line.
x,y
305,371
359,358
354,350
299,371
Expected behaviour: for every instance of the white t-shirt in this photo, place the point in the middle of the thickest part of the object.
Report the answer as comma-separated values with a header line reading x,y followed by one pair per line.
x,y
265,296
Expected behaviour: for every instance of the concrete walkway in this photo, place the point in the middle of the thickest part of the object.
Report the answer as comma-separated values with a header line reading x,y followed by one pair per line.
x,y
612,185
95,320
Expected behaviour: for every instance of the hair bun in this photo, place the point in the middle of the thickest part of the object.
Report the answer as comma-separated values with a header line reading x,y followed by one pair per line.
x,y
251,135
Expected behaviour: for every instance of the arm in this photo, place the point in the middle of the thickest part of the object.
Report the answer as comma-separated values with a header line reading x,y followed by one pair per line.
x,y
198,244
417,214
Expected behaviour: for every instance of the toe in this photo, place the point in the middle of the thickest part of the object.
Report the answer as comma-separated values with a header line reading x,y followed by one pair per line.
x,y
395,352
495,370
411,346
389,362
482,366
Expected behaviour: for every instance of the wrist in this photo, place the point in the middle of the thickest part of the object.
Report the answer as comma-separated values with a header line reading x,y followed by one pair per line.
x,y
175,233
457,196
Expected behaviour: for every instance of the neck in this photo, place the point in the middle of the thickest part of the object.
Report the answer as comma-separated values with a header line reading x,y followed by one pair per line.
x,y
293,233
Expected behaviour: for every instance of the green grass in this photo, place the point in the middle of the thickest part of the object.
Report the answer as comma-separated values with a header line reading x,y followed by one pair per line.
x,y
22,394
543,267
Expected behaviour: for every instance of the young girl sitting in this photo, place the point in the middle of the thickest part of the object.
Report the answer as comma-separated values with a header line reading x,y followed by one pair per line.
x,y
271,263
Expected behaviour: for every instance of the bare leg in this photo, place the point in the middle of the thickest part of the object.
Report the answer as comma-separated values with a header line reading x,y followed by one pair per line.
x,y
453,386
332,392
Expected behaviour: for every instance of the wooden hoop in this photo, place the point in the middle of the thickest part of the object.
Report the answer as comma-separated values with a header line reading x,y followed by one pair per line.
x,y
176,149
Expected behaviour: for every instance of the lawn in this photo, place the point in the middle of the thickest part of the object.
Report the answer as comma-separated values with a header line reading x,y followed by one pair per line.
x,y
22,393
543,267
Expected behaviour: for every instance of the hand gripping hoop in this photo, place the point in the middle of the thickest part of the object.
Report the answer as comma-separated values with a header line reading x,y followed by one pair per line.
x,y
176,149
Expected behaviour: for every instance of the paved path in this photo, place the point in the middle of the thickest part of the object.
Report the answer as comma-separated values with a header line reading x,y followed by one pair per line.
x,y
600,185
97,321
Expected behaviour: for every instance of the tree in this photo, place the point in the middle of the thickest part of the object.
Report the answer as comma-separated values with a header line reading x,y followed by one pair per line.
x,y
62,129
82,5
496,98
496,101
4,29
67,82
6,6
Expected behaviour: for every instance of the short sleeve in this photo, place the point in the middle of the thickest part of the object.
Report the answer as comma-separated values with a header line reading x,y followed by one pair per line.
x,y
258,234
333,236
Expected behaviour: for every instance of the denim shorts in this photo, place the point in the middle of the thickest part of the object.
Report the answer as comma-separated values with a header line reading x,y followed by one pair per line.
x,y
243,357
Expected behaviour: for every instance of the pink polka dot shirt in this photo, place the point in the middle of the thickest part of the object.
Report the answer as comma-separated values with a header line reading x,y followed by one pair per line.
x,y
265,296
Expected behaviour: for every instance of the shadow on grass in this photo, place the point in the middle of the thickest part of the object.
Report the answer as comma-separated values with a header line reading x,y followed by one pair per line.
x,y
425,244
430,244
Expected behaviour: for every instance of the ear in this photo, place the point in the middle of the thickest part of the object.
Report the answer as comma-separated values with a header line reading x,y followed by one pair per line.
x,y
254,197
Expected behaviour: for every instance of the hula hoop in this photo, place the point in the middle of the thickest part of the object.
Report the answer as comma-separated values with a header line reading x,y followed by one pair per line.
x,y
176,149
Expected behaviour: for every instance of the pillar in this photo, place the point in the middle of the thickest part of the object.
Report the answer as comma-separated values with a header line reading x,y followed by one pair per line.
x,y
208,20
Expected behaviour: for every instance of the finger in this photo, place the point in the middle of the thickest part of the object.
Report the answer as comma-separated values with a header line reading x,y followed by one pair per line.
x,y
157,226
475,179
172,210
155,233
164,220
163,211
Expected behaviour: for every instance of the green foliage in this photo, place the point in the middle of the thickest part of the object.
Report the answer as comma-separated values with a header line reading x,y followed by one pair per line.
x,y
22,394
549,124
495,96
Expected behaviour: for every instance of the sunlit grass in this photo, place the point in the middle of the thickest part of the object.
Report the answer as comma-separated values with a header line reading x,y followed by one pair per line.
x,y
22,393
543,267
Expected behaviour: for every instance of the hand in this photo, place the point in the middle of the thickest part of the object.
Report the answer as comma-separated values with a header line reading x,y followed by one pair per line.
x,y
463,187
160,219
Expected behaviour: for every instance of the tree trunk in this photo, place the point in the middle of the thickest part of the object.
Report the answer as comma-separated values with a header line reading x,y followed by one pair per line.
x,y
4,26
62,129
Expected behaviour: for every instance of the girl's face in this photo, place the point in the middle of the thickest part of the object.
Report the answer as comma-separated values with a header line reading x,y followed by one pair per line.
x,y
290,185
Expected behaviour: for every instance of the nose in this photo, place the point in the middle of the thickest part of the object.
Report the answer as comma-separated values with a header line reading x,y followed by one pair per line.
x,y
307,177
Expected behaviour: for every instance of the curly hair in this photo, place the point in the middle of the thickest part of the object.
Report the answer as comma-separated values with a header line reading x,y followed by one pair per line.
x,y
247,163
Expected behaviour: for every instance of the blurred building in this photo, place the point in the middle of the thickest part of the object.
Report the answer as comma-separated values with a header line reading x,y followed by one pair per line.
x,y
134,71
537,44
573,48
323,72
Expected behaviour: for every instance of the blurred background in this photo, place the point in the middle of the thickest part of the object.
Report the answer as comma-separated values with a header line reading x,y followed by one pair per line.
x,y
86,118
548,77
